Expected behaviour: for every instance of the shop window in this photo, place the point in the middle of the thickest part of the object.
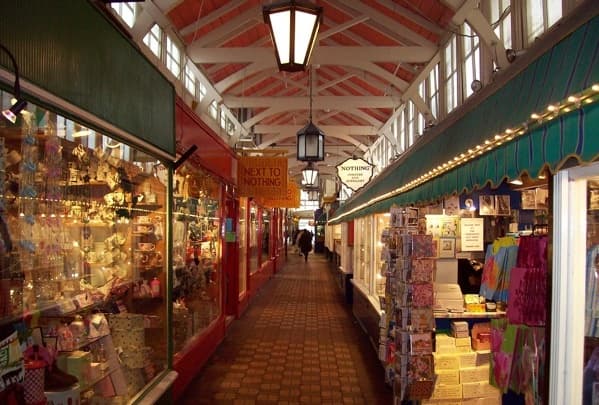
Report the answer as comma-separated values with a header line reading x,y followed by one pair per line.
x,y
451,74
173,57
82,252
203,91
196,253
223,117
230,127
433,91
254,231
190,79
411,123
153,40
471,65
381,222
213,109
265,234
540,15
242,245
501,20
125,10
401,131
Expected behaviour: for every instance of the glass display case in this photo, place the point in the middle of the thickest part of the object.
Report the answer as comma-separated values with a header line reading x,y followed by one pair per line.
x,y
196,253
82,256
368,264
381,222
363,246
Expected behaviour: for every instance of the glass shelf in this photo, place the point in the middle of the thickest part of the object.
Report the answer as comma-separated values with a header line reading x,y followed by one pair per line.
x,y
472,315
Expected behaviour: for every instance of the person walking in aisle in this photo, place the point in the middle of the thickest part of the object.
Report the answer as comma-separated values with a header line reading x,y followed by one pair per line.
x,y
305,243
297,239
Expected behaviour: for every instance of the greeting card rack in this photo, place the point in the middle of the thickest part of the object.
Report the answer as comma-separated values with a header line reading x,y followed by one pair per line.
x,y
407,322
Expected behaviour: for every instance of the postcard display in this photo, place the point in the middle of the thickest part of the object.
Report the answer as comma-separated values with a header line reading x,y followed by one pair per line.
x,y
407,324
82,275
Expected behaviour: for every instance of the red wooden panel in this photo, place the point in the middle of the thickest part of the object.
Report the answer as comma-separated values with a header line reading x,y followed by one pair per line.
x,y
350,233
213,153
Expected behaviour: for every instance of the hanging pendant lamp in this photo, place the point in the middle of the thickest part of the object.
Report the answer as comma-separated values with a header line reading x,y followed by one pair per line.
x,y
310,175
310,139
293,28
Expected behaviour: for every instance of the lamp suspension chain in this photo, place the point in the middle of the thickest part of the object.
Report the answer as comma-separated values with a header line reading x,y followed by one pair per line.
x,y
310,84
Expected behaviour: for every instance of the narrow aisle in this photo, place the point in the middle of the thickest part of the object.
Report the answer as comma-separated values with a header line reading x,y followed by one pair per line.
x,y
297,343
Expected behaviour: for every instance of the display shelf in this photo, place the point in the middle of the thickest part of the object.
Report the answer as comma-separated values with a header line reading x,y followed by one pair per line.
x,y
82,344
90,384
146,207
471,315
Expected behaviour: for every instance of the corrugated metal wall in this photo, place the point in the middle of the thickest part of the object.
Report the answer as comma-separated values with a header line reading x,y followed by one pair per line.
x,y
69,48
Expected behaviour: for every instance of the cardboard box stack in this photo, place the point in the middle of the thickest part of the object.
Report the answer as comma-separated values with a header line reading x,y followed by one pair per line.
x,y
462,374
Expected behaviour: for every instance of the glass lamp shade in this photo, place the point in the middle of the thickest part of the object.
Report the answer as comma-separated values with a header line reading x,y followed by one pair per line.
x,y
310,175
293,27
310,144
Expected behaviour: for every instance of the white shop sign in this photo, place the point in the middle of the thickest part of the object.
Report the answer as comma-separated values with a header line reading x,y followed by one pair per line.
x,y
472,231
355,173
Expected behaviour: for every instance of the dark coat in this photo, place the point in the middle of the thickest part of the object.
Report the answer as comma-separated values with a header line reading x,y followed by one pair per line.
x,y
305,241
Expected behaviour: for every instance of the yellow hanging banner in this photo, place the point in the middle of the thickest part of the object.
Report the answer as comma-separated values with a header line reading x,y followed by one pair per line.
x,y
260,176
290,200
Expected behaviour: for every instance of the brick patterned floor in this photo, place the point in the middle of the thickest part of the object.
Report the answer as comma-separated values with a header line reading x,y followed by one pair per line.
x,y
297,343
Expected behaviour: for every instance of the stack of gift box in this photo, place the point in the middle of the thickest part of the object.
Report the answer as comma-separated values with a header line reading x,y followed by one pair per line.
x,y
462,374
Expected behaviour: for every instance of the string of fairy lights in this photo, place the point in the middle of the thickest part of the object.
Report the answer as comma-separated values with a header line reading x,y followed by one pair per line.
x,y
571,103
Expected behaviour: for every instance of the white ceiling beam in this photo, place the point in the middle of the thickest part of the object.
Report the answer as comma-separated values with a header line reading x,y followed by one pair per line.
x,y
470,12
224,32
144,20
342,27
165,5
322,55
279,137
318,102
423,22
366,117
382,73
453,4
337,129
384,21
207,19
334,82
245,84
413,89
262,115
255,67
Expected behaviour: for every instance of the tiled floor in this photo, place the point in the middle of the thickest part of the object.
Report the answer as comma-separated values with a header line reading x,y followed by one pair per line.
x,y
297,343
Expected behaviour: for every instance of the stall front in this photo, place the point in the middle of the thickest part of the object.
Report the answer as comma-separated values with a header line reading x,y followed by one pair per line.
x,y
538,121
204,245
85,166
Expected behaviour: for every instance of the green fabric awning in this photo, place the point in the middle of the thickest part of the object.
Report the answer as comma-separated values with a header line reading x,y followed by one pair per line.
x,y
569,67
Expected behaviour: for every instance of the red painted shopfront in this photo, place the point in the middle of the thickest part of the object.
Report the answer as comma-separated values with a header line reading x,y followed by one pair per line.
x,y
237,246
